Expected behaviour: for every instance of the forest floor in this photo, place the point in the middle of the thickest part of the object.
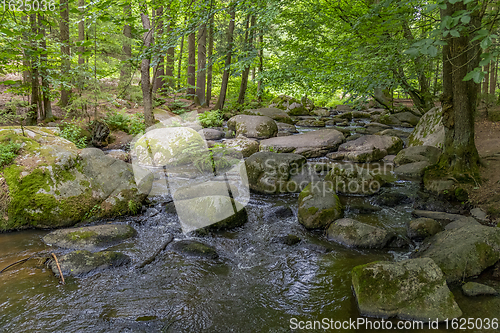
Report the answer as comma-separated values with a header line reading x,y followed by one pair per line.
x,y
487,194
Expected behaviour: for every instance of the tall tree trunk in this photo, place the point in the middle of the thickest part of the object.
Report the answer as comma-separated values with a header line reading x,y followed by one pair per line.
x,y
81,31
47,107
459,97
179,63
32,116
65,50
246,71
160,68
486,82
210,59
126,70
26,60
191,72
225,77
261,67
202,63
493,77
145,77
181,53
421,98
169,70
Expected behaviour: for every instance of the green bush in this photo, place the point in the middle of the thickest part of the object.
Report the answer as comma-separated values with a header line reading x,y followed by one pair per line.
x,y
117,121
211,118
73,133
8,152
136,124
133,124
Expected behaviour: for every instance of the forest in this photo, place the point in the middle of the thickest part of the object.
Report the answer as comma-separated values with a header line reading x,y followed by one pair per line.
x,y
283,165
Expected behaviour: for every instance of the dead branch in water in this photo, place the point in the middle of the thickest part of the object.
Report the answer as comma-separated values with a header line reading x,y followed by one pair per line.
x,y
150,259
17,262
59,268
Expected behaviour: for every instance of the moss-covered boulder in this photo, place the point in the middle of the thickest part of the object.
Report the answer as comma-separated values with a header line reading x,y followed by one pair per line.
x,y
89,238
311,123
82,262
310,144
463,252
368,148
54,184
276,114
412,170
258,127
412,289
195,249
286,129
245,146
273,173
206,189
429,130
283,102
211,134
422,228
408,118
297,109
168,146
352,233
418,154
354,179
319,206
472,289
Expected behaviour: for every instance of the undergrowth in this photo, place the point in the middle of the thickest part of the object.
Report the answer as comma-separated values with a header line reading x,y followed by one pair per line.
x,y
8,152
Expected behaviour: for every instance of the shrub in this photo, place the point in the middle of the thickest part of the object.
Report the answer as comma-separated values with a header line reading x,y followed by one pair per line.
x,y
73,133
117,121
136,124
211,118
133,124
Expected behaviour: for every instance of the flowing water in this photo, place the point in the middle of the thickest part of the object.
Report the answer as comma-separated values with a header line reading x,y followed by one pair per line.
x,y
257,284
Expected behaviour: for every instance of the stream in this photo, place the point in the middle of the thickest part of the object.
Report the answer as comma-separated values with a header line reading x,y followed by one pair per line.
x,y
257,285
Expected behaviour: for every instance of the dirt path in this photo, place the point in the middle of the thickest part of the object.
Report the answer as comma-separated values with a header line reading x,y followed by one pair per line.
x,y
487,195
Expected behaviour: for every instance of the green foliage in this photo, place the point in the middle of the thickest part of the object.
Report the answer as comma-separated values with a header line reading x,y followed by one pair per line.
x,y
136,124
73,132
211,118
133,124
8,152
117,121
134,207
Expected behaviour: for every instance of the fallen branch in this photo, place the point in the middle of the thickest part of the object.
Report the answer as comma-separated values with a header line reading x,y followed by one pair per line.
x,y
17,262
59,268
152,258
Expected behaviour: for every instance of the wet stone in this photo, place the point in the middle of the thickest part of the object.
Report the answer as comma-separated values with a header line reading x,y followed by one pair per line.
x,y
195,249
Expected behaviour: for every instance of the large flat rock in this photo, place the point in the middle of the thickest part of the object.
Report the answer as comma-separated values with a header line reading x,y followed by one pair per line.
x,y
310,144
413,289
464,251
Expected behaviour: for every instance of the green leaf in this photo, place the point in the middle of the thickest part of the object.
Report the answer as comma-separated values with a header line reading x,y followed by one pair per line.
x,y
477,75
432,50
454,33
487,58
454,1
412,52
465,19
7,32
485,43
